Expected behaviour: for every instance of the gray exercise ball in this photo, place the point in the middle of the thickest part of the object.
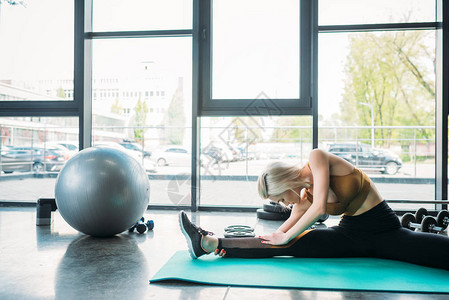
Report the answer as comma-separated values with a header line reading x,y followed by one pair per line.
x,y
102,191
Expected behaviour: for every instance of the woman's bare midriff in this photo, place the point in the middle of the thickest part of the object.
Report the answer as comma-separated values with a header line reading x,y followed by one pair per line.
x,y
371,201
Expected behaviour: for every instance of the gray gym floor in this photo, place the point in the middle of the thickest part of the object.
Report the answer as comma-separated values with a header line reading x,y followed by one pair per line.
x,y
58,262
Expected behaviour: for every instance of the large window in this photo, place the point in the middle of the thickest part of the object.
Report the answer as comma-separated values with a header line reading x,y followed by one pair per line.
x,y
250,57
206,93
123,15
377,97
33,151
37,50
235,151
255,49
142,94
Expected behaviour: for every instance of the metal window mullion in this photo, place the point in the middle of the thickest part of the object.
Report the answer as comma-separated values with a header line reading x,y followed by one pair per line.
x,y
195,159
380,27
204,43
138,34
442,98
83,71
285,111
36,108
314,83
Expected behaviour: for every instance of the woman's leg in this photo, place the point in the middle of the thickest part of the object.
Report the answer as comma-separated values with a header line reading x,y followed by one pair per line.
x,y
427,249
331,242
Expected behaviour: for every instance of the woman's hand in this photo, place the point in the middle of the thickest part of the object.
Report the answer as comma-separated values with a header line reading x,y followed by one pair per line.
x,y
276,238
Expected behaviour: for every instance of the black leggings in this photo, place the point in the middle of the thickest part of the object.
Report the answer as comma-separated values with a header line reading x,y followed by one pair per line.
x,y
375,233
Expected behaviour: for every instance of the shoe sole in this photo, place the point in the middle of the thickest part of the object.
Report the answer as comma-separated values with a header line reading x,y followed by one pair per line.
x,y
188,239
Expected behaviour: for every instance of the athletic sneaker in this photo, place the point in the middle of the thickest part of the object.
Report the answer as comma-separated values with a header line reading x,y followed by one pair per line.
x,y
194,235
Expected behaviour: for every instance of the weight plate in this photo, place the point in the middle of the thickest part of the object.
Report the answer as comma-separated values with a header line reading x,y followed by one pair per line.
x,y
239,228
420,214
443,219
407,219
266,215
141,228
427,223
236,234
276,208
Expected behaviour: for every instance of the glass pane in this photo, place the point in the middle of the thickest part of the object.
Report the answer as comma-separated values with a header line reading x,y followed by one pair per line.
x,y
33,151
123,15
235,150
250,56
36,53
377,91
142,104
343,12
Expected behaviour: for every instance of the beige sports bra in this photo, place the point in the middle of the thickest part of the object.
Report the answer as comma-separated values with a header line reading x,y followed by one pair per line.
x,y
351,191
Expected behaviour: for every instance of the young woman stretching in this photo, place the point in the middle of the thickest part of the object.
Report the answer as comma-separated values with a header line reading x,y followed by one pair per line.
x,y
326,184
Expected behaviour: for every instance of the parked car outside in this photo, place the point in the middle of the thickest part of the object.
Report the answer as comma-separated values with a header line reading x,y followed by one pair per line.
x,y
172,156
148,165
134,154
70,146
63,150
365,157
26,159
135,147
221,152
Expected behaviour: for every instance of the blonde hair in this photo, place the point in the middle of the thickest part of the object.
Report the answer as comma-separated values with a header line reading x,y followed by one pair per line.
x,y
279,177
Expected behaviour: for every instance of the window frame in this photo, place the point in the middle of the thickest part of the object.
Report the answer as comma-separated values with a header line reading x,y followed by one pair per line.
x,y
441,29
241,107
50,108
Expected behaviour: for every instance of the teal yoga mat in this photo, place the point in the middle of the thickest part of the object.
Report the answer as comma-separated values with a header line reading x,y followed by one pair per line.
x,y
369,274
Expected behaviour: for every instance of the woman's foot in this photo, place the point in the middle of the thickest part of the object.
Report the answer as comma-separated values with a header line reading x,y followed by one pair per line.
x,y
194,236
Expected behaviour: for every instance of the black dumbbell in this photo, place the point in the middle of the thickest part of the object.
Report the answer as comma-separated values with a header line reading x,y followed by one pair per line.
x,y
150,225
141,226
430,224
411,221
443,219
420,214
135,225
407,220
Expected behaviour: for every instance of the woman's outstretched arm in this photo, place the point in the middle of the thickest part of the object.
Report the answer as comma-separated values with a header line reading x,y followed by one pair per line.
x,y
297,212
